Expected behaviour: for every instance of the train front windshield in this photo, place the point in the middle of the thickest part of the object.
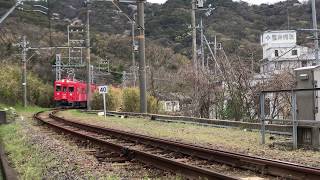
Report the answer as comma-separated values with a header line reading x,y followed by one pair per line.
x,y
58,88
71,89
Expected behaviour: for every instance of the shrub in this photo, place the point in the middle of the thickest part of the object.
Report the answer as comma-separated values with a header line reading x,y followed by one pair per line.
x,y
153,105
113,100
11,92
131,100
127,100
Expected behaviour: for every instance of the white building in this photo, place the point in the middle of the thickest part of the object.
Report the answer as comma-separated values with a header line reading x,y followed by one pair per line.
x,y
281,52
170,106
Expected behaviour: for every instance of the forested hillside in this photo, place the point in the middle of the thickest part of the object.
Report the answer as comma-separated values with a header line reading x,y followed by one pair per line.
x,y
237,25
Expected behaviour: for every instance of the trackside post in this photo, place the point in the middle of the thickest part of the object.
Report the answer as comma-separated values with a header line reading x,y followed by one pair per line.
x,y
262,119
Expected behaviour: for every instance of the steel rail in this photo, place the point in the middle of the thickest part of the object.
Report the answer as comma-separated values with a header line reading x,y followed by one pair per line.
x,y
186,170
263,165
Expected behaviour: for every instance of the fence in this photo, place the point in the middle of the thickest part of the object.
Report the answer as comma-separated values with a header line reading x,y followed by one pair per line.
x,y
295,123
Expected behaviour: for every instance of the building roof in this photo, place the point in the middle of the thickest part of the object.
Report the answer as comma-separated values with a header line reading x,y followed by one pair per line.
x,y
279,31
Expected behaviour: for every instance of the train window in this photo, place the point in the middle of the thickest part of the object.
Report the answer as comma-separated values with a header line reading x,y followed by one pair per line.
x,y
58,88
71,89
64,89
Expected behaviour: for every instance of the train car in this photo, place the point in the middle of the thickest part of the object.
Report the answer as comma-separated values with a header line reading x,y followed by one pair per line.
x,y
71,93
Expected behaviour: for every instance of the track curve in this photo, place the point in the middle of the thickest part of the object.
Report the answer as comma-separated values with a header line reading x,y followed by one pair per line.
x,y
262,165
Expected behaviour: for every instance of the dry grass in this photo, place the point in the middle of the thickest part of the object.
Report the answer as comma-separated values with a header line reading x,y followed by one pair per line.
x,y
235,140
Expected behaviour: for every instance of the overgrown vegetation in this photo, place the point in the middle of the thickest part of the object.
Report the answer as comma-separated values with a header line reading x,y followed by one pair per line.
x,y
113,99
127,100
39,93
27,159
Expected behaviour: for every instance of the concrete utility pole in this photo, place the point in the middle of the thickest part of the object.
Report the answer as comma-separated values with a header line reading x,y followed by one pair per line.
x,y
142,62
88,59
202,44
194,34
288,18
24,71
124,78
315,27
133,52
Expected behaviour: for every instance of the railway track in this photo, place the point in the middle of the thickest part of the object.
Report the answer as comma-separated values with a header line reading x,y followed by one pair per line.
x,y
176,156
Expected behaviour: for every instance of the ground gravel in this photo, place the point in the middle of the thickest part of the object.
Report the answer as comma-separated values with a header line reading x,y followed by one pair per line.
x,y
72,162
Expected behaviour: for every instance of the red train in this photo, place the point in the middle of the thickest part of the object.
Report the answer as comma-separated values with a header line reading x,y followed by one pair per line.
x,y
71,93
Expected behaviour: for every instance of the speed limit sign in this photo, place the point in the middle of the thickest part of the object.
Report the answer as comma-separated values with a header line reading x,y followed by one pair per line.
x,y
103,89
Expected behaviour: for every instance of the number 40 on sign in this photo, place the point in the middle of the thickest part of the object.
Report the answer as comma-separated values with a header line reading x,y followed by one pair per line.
x,y
103,89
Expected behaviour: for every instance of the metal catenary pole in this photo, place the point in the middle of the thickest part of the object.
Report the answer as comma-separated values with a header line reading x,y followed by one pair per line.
x,y
88,60
315,27
133,53
24,71
142,63
202,45
194,34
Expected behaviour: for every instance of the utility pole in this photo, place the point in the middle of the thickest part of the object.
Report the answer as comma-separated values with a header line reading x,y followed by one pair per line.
x,y
202,44
215,54
194,34
133,52
88,59
124,78
49,20
315,27
24,70
142,62
288,18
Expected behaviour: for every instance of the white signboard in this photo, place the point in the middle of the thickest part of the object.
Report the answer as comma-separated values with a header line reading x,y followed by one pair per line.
x,y
103,89
200,3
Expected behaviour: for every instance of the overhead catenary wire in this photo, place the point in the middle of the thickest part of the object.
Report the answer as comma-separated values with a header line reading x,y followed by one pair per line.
x,y
127,16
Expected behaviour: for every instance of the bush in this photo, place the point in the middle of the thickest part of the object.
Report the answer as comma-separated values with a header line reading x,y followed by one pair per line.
x,y
126,100
131,100
11,92
153,105
113,100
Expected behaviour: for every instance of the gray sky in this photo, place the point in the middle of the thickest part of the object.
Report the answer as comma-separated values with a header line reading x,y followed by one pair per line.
x,y
249,1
